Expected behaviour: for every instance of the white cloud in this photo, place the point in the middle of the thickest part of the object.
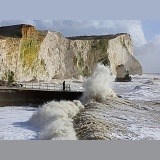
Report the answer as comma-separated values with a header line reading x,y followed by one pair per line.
x,y
95,27
149,55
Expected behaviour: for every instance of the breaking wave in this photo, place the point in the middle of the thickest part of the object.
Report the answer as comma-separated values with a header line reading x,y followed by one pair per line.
x,y
137,88
97,87
61,121
55,120
150,81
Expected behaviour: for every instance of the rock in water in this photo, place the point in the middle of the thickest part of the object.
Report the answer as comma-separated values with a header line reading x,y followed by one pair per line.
x,y
122,74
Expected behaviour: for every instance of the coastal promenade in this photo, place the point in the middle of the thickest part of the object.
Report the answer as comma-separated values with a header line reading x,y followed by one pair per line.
x,y
35,94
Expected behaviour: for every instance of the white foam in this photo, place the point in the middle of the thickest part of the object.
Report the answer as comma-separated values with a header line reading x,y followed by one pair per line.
x,y
55,119
59,129
97,87
55,123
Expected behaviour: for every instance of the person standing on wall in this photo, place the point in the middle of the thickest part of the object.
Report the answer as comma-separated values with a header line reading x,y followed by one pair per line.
x,y
63,85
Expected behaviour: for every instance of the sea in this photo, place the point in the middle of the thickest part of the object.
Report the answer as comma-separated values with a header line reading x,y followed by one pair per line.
x,y
108,110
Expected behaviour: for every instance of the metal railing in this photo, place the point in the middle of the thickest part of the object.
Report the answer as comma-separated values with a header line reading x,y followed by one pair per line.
x,y
42,86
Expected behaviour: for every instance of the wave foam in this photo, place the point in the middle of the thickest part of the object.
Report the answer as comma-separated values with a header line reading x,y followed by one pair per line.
x,y
55,119
97,87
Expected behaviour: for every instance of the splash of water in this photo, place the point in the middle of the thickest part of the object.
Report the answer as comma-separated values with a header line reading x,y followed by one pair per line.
x,y
97,87
55,119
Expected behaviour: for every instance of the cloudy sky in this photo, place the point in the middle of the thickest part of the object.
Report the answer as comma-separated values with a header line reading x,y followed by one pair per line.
x,y
144,33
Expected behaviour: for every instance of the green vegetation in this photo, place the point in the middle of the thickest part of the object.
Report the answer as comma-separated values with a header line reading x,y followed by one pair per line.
x,y
82,47
105,61
94,45
81,62
9,77
75,60
100,45
29,51
103,45
107,37
85,71
99,51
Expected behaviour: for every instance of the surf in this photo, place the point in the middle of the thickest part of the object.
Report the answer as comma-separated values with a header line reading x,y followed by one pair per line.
x,y
62,120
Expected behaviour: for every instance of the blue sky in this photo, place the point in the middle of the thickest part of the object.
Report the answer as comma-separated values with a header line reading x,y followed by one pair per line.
x,y
144,33
151,28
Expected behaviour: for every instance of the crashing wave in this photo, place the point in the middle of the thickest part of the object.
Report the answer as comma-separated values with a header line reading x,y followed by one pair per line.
x,y
98,87
72,120
55,119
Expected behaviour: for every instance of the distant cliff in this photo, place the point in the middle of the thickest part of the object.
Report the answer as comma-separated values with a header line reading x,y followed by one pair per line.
x,y
46,55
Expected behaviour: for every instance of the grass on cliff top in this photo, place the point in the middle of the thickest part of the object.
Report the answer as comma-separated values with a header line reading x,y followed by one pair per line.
x,y
96,37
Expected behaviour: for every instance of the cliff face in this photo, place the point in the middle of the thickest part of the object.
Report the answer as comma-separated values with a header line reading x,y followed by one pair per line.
x,y
47,55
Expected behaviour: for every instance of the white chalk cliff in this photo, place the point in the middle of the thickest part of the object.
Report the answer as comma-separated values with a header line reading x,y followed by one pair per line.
x,y
47,55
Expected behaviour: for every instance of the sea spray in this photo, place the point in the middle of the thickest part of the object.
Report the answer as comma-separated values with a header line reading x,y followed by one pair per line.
x,y
61,129
97,87
98,96
59,120
55,119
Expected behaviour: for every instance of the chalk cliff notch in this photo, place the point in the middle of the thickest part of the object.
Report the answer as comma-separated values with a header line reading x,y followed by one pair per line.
x,y
47,55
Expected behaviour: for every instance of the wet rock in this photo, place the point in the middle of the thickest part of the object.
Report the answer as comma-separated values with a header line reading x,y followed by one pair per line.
x,y
122,74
